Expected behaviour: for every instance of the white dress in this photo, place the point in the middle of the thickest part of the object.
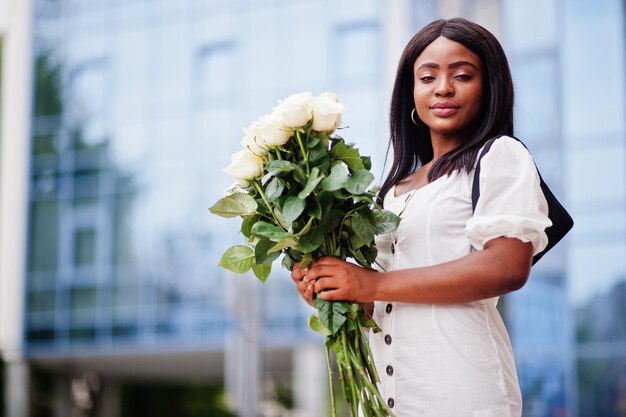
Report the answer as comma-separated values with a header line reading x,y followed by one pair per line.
x,y
455,360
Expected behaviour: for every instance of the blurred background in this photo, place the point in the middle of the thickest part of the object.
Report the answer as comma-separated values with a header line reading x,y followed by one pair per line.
x,y
116,119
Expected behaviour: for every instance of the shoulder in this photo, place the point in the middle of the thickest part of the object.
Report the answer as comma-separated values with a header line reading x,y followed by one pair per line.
x,y
508,144
507,150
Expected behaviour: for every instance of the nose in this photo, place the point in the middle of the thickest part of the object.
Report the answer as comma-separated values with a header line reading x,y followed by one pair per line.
x,y
445,87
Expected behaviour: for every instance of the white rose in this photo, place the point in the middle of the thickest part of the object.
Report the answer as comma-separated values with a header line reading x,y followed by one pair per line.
x,y
253,141
327,112
330,96
295,110
245,165
271,131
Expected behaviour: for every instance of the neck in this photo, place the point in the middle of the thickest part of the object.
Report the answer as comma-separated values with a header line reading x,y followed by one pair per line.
x,y
443,144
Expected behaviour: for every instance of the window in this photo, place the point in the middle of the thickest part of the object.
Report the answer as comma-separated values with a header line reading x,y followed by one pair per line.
x,y
84,247
89,89
358,53
215,71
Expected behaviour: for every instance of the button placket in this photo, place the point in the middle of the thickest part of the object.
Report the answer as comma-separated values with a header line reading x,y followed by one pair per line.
x,y
389,352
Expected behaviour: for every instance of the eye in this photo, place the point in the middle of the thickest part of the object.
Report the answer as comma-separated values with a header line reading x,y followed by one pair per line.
x,y
427,78
463,77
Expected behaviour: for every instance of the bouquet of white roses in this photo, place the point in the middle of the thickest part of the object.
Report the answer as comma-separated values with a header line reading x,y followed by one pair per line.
x,y
303,193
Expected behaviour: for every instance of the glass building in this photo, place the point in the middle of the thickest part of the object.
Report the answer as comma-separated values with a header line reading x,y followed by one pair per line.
x,y
137,105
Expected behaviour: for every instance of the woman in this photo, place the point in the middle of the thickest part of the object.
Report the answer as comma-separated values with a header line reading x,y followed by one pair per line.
x,y
443,350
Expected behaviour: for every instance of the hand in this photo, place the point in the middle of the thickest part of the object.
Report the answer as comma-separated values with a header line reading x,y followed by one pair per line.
x,y
336,280
305,288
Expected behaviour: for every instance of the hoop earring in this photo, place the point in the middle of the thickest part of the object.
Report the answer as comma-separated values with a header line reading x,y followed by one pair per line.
x,y
413,119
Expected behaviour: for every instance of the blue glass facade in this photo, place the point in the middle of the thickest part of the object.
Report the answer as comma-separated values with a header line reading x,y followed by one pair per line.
x,y
138,106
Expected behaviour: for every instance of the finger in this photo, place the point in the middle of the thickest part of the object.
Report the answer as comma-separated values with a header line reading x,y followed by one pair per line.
x,y
298,274
302,287
332,295
320,271
324,284
327,260
308,293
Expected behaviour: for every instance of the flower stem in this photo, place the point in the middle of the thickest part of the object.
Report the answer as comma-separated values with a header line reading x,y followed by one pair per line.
x,y
354,404
305,155
369,385
267,203
333,408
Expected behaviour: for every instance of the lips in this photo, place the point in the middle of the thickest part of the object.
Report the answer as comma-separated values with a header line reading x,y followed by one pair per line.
x,y
444,108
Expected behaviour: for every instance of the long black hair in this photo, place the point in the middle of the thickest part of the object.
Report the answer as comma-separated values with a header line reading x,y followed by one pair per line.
x,y
412,145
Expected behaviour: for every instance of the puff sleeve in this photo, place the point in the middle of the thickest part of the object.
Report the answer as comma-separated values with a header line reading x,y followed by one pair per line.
x,y
511,203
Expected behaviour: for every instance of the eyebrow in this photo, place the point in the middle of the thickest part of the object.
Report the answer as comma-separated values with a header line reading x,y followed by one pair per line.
x,y
451,66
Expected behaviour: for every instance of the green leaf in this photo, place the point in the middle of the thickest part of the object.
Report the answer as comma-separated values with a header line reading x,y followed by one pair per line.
x,y
269,231
306,228
313,141
331,220
288,242
281,219
237,204
293,208
246,224
313,208
367,162
371,324
306,261
358,256
311,183
364,198
332,314
386,222
334,342
312,240
237,259
338,178
325,199
274,189
318,157
347,154
299,175
278,166
357,241
262,271
288,262
369,253
262,254
363,226
359,181
316,324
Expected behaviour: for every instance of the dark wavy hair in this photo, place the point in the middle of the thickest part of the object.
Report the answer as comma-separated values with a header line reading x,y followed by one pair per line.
x,y
412,145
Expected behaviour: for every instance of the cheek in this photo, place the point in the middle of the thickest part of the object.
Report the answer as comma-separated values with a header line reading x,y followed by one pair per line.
x,y
420,98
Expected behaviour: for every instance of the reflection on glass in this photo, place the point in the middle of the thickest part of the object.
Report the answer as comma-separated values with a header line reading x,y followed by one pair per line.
x,y
84,247
601,317
537,113
44,230
88,89
41,302
215,66
543,387
602,387
357,53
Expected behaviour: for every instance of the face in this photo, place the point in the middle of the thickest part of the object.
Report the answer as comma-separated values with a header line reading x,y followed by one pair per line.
x,y
448,88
